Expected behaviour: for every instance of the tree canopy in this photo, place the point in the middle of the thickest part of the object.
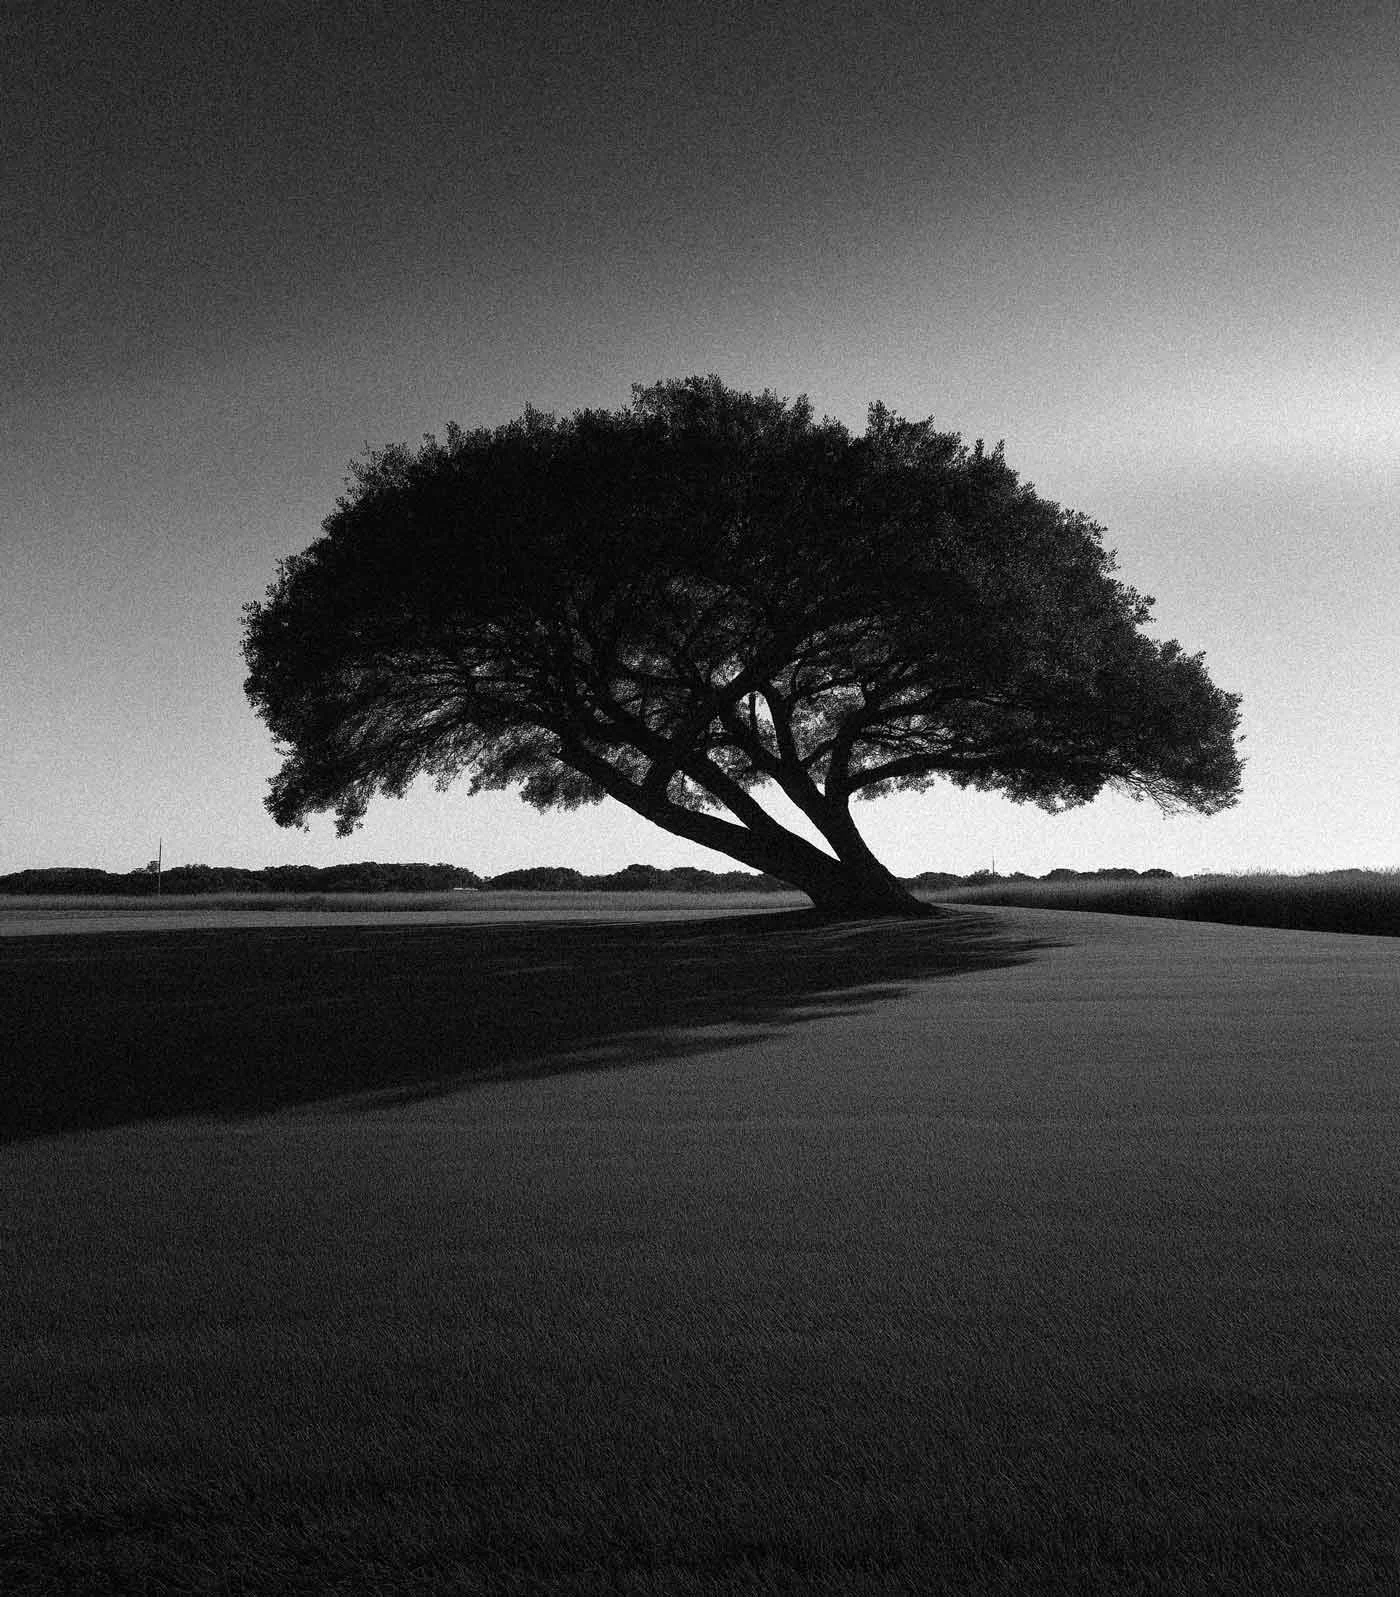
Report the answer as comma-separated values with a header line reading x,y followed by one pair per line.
x,y
707,591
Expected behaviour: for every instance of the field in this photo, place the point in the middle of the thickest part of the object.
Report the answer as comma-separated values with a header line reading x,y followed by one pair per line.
x,y
600,1249
1365,902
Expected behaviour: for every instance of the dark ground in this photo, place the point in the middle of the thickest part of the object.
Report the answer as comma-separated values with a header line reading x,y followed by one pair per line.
x,y
108,1029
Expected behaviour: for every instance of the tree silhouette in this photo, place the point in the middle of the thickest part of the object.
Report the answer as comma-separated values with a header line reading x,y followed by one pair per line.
x,y
708,591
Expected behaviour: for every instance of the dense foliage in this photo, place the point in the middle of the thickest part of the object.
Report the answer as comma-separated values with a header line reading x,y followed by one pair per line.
x,y
706,592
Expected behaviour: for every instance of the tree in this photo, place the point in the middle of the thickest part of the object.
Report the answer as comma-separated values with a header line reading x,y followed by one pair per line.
x,y
708,591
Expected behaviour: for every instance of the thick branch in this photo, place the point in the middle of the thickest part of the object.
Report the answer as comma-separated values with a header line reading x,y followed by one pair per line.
x,y
892,770
777,850
790,770
677,752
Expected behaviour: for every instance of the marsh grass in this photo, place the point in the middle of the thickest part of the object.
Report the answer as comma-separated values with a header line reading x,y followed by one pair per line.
x,y
1363,902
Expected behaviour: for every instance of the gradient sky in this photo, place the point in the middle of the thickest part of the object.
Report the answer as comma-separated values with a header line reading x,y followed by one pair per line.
x,y
1155,247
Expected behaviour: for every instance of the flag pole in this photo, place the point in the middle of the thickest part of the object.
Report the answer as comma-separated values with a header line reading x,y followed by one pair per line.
x,y
160,845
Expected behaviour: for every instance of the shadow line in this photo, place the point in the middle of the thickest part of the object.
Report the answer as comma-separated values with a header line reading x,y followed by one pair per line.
x,y
111,1029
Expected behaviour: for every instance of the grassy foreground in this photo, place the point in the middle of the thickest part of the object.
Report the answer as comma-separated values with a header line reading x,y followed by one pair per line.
x,y
1017,1254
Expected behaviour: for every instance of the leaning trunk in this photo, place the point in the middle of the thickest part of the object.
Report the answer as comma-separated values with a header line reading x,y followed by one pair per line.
x,y
854,885
850,889
859,885
854,896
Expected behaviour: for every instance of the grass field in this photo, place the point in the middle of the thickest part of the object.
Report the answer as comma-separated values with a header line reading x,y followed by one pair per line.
x,y
1017,1252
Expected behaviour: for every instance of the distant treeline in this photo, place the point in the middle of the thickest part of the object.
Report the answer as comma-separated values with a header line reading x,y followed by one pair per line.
x,y
1112,873
370,877
634,879
366,877
688,879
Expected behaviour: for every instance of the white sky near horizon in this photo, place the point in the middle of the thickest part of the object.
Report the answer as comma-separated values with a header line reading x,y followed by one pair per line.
x,y
1154,249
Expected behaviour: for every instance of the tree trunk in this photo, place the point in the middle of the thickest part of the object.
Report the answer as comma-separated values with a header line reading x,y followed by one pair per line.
x,y
855,896
861,885
848,889
852,886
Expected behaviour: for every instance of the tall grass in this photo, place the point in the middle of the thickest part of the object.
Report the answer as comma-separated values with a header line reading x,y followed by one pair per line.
x,y
1365,902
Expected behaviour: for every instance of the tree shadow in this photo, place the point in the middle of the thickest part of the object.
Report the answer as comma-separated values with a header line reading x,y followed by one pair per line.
x,y
109,1029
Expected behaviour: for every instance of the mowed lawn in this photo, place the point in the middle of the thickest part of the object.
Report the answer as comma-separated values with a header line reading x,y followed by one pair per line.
x,y
1025,1252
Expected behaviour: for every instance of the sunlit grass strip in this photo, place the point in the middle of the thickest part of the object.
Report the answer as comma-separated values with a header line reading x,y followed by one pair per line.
x,y
1362,902
521,899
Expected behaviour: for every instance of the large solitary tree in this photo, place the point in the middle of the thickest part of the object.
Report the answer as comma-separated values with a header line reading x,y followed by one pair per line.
x,y
681,602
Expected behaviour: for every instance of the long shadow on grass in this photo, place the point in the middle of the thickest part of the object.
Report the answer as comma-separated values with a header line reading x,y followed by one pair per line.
x,y
107,1029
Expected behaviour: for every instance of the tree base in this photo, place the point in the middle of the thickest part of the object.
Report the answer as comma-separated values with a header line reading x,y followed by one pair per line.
x,y
876,912
865,903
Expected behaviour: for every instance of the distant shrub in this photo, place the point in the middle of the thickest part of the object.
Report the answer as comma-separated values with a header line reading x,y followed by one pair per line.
x,y
61,879
932,879
538,878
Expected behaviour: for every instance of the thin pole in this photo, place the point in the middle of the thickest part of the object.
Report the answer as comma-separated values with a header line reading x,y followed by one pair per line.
x,y
160,845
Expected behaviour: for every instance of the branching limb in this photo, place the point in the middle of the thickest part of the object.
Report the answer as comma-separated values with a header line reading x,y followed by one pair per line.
x,y
767,847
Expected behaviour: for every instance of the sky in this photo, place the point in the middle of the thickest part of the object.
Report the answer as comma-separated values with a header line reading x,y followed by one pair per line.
x,y
1155,248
